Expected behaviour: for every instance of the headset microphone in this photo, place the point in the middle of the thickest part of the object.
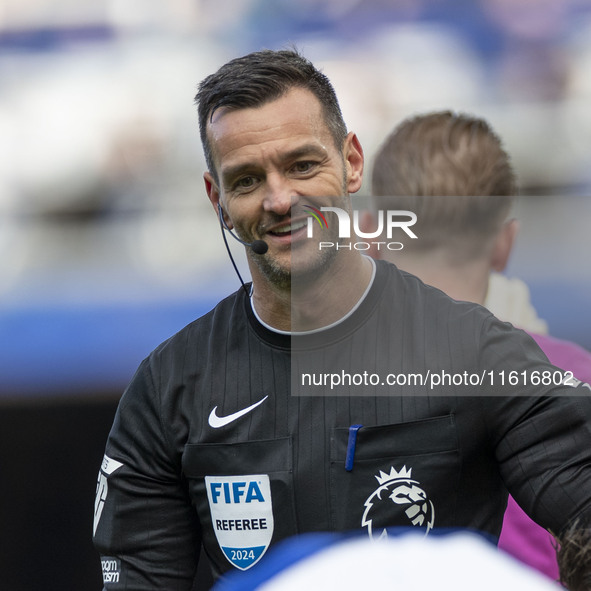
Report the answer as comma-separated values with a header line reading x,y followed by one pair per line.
x,y
258,246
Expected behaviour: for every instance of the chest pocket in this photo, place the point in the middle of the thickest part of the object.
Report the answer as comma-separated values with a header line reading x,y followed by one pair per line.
x,y
402,475
243,494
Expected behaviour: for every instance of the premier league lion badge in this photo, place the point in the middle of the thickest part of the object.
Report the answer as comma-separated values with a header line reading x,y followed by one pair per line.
x,y
399,501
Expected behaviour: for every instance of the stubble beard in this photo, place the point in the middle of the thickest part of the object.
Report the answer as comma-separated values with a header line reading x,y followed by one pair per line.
x,y
282,277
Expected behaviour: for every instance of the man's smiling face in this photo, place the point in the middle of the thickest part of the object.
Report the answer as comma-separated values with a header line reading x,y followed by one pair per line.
x,y
269,161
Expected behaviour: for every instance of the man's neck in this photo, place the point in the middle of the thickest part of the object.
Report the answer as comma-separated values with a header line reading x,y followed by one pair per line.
x,y
314,304
467,282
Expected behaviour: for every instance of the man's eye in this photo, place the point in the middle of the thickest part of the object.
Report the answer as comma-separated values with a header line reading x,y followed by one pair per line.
x,y
304,166
246,182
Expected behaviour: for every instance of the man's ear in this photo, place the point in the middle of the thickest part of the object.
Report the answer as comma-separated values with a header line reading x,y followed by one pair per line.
x,y
353,155
368,223
213,193
503,245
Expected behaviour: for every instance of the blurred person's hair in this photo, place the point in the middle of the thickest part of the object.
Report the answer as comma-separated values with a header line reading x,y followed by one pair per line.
x,y
258,78
573,554
449,155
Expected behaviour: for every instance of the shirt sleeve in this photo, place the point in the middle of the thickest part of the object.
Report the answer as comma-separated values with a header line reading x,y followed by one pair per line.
x,y
145,527
541,429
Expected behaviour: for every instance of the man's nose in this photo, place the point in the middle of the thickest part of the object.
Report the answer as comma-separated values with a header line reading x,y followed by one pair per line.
x,y
279,196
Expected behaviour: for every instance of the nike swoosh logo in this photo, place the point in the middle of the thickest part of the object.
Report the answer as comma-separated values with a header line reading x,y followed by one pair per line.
x,y
217,422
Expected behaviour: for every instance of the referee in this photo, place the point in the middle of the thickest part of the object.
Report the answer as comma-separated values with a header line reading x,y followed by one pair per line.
x,y
406,417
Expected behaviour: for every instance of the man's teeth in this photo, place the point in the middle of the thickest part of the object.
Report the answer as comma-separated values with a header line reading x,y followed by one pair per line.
x,y
290,227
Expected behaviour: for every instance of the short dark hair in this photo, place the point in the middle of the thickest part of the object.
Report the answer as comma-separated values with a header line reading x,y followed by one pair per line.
x,y
453,172
261,77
